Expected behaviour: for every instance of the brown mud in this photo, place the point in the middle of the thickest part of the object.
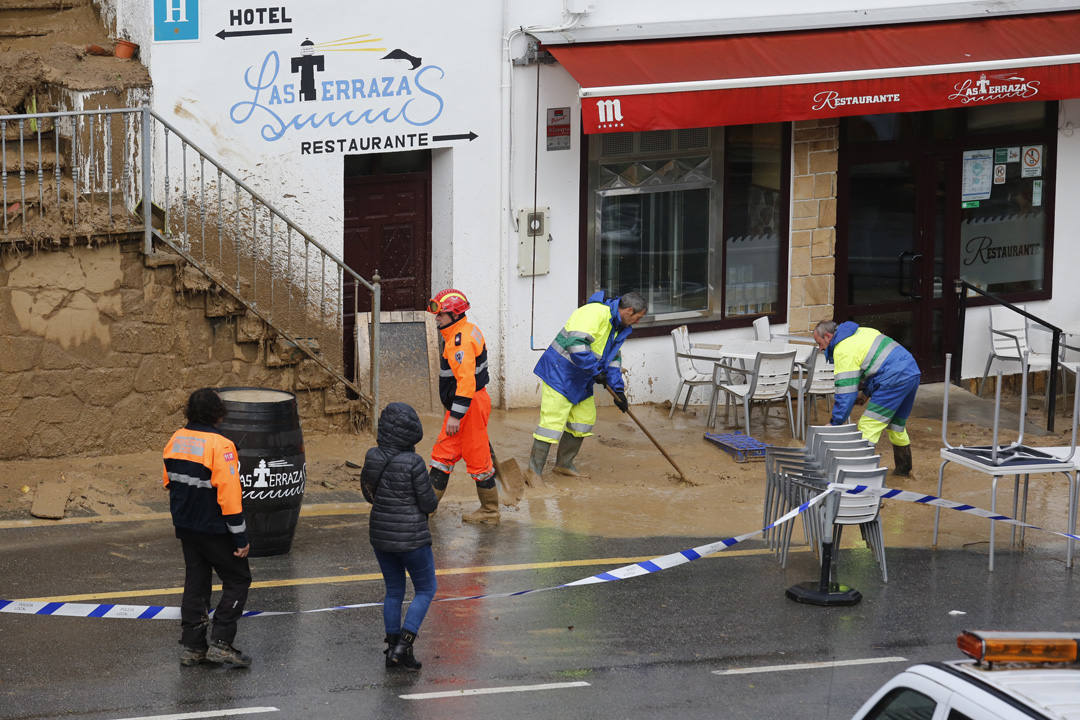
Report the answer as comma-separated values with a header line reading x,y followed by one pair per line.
x,y
47,47
632,490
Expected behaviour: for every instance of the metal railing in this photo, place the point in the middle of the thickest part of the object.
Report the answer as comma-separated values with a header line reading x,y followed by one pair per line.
x,y
92,173
961,288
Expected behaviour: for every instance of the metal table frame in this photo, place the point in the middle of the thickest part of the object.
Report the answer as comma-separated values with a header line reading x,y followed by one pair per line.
x,y
1025,470
1015,459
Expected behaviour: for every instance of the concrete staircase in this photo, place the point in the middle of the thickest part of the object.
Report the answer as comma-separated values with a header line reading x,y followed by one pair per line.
x,y
262,343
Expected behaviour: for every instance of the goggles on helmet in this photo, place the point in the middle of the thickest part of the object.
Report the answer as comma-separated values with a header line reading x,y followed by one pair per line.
x,y
450,301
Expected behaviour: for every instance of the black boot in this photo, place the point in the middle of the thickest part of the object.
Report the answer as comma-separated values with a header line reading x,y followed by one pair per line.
x,y
902,460
391,643
402,654
439,479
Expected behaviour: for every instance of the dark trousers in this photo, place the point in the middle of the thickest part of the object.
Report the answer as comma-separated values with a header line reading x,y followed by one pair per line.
x,y
203,553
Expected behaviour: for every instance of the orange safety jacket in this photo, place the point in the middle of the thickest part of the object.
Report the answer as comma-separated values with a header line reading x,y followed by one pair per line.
x,y
463,367
202,472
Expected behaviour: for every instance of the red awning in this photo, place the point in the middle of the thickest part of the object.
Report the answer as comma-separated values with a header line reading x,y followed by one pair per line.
x,y
741,79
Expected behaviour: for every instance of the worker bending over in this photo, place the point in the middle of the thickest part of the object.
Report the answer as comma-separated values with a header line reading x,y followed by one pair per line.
x,y
871,363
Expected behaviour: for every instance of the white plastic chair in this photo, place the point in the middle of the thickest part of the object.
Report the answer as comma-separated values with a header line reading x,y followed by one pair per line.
x,y
800,487
777,459
761,329
769,381
1068,366
690,374
816,379
763,332
1009,342
862,510
1068,360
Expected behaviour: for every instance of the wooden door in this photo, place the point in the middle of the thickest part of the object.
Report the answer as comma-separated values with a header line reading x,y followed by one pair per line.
x,y
387,229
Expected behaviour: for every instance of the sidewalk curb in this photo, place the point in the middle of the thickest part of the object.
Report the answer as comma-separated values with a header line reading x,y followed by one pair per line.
x,y
315,510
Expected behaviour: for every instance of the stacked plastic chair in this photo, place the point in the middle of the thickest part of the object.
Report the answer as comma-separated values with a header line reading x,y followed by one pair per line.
x,y
833,454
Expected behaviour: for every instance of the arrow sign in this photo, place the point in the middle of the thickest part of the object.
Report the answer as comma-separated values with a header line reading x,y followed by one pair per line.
x,y
241,33
470,136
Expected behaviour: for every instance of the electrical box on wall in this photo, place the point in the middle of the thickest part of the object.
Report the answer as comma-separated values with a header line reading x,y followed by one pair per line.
x,y
534,242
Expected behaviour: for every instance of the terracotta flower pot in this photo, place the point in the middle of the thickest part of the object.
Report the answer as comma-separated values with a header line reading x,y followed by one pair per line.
x,y
125,49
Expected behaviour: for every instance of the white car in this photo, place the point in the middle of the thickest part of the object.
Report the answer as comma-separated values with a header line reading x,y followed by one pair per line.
x,y
1011,676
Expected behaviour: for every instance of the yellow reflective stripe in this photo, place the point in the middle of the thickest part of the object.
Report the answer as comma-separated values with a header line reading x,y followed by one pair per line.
x,y
877,353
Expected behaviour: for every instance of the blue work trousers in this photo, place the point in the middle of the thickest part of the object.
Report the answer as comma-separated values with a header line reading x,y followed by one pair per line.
x,y
420,564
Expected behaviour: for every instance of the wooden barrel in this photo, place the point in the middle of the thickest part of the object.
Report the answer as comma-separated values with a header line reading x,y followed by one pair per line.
x,y
265,426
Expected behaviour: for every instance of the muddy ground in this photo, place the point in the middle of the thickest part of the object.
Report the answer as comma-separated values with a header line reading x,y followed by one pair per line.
x,y
49,46
632,491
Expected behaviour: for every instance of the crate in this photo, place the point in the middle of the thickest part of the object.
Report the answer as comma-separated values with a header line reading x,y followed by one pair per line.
x,y
742,448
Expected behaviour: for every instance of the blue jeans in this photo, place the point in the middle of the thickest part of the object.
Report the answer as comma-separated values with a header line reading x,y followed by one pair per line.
x,y
420,563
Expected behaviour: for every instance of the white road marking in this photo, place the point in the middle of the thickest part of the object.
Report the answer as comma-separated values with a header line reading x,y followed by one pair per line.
x,y
207,714
807,666
492,691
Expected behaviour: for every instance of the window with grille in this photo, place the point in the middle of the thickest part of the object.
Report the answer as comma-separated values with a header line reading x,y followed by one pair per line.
x,y
695,219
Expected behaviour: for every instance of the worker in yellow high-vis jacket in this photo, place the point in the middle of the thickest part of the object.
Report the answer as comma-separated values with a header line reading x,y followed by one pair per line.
x,y
875,364
586,351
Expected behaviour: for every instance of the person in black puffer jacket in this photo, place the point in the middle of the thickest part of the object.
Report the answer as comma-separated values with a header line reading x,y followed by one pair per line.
x,y
395,481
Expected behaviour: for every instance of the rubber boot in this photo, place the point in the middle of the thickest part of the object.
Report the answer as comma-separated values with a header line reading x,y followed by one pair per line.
x,y
537,459
902,460
439,479
391,643
569,445
401,656
488,514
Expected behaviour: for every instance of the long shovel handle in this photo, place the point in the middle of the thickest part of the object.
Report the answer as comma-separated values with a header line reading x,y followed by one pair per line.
x,y
649,435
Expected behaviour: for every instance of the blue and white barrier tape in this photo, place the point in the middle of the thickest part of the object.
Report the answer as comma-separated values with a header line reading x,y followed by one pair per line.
x,y
921,499
645,567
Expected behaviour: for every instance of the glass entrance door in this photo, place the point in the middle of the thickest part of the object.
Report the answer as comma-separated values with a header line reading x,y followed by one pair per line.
x,y
890,251
924,198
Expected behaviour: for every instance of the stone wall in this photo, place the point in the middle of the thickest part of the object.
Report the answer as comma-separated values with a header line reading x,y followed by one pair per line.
x,y
98,354
813,224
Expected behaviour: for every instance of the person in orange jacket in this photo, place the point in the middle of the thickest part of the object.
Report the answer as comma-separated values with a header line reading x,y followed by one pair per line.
x,y
202,474
463,377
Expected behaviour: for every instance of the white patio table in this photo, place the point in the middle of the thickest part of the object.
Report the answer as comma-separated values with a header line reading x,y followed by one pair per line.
x,y
745,351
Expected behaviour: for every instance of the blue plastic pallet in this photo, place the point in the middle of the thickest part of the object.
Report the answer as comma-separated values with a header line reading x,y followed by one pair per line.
x,y
741,447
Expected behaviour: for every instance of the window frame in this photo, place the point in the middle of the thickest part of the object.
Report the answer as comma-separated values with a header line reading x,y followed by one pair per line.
x,y
589,219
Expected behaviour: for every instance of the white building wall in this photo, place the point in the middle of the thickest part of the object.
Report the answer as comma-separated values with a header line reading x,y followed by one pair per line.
x,y
478,187
229,96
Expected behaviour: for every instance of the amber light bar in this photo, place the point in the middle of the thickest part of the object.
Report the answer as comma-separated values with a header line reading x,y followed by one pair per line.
x,y
1019,647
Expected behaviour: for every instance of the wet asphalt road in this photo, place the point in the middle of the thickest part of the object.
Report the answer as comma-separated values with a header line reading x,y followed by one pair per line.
x,y
646,647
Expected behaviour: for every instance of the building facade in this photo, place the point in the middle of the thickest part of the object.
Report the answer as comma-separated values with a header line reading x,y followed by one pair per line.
x,y
728,163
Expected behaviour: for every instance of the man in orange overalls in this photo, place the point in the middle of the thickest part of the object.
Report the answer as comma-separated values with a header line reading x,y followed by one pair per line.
x,y
463,377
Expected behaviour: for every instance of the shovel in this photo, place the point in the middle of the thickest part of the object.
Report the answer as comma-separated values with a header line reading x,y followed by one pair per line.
x,y
510,478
